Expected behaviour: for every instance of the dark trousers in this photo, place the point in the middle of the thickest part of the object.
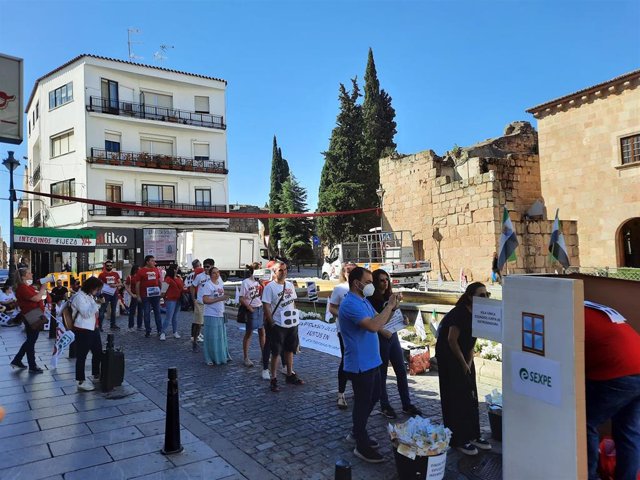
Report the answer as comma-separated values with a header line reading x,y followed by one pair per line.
x,y
391,351
148,304
88,341
28,347
134,307
366,393
619,400
342,377
108,300
266,350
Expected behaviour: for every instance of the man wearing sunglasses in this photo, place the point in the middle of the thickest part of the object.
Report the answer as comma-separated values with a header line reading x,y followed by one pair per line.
x,y
281,315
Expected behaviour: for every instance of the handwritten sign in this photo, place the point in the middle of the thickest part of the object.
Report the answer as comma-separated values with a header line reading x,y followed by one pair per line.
x,y
487,319
320,336
395,323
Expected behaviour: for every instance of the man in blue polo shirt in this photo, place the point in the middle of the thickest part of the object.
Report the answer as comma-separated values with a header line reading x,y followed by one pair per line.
x,y
359,324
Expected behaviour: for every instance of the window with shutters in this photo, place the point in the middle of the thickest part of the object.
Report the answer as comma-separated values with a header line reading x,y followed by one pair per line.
x,y
112,142
630,149
201,104
62,144
113,192
156,146
158,194
156,99
66,188
203,197
200,151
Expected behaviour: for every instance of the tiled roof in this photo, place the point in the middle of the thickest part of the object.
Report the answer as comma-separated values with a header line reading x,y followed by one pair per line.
x,y
579,93
73,60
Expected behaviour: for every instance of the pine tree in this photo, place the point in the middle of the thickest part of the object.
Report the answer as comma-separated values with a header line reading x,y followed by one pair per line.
x,y
343,185
279,174
295,232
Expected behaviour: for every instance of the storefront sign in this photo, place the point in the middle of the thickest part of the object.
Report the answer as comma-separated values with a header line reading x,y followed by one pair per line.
x,y
54,239
115,238
487,319
537,377
161,243
11,99
320,336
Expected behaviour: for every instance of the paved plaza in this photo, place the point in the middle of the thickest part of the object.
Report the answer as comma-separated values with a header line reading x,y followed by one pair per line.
x,y
233,426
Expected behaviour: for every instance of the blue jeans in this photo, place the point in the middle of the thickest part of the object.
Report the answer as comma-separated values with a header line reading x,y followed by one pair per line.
x,y
618,400
108,300
134,307
366,392
148,303
172,308
391,351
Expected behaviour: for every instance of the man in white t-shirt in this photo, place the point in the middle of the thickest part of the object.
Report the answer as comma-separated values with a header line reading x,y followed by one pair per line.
x,y
280,313
333,305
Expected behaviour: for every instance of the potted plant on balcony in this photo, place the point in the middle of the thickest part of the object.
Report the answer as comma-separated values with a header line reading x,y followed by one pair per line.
x,y
165,162
144,158
128,160
113,158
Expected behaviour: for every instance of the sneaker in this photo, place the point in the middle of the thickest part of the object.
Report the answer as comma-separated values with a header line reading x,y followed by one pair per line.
x,y
468,449
389,412
373,443
266,375
368,455
274,385
176,335
147,335
140,329
163,337
283,370
114,328
248,363
86,386
95,378
342,402
201,338
210,364
412,411
36,369
19,365
481,443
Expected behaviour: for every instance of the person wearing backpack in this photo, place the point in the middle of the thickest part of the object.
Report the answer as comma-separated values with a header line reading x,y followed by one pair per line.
x,y
87,335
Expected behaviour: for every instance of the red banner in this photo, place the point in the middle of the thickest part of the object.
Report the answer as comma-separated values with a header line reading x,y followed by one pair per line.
x,y
198,213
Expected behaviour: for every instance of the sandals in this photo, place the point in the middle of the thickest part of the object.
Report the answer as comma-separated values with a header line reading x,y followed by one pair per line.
x,y
293,379
274,385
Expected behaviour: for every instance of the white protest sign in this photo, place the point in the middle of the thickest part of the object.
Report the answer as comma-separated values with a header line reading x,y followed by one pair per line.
x,y
312,291
436,467
487,319
320,336
536,377
395,323
262,274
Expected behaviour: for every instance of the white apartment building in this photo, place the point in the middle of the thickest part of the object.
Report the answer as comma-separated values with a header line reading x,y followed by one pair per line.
x,y
119,131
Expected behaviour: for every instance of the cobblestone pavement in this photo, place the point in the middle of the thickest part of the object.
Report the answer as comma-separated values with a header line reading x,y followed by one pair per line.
x,y
297,433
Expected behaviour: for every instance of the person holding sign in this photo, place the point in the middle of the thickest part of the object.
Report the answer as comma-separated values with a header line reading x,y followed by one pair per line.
x,y
390,349
359,324
110,283
148,292
457,374
250,290
281,315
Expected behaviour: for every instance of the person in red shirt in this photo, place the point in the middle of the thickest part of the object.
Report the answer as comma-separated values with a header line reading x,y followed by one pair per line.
x,y
148,292
30,302
612,370
111,282
171,302
134,305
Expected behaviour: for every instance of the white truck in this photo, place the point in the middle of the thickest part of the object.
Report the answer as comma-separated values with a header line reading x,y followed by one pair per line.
x,y
390,251
230,250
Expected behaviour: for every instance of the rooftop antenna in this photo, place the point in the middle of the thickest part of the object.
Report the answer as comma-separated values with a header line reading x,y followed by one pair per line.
x,y
132,56
160,56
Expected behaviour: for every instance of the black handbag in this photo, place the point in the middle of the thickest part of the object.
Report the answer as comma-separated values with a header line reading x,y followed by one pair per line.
x,y
243,314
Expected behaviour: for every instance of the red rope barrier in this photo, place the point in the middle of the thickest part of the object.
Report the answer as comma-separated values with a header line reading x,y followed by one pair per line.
x,y
198,213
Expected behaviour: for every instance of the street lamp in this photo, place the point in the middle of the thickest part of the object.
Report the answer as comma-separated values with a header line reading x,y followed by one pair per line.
x,y
380,193
11,164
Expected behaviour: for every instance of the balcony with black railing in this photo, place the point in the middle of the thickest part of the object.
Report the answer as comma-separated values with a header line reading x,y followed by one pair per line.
x,y
180,209
152,112
149,160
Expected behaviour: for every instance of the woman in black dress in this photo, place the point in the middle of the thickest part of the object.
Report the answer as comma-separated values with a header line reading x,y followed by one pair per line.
x,y
457,376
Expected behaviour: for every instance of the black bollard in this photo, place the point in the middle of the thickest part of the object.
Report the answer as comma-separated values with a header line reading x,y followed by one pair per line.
x,y
343,470
172,423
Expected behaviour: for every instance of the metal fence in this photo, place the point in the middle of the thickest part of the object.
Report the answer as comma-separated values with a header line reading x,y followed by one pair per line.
x,y
625,273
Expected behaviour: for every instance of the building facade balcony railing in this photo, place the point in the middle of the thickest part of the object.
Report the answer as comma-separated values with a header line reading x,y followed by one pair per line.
x,y
101,210
37,220
35,178
151,112
148,160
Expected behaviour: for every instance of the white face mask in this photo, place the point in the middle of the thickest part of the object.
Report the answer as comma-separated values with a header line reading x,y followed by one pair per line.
x,y
368,290
29,282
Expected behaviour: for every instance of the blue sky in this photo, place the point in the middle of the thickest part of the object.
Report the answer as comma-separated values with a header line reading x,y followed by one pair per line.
x,y
458,72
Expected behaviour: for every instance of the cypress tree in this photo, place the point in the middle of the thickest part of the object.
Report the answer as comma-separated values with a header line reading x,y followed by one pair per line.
x,y
279,174
295,232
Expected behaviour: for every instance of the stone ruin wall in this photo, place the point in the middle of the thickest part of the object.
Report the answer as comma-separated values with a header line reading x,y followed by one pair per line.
x,y
454,209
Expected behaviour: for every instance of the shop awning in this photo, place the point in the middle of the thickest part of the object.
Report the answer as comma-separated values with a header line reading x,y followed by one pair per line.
x,y
54,239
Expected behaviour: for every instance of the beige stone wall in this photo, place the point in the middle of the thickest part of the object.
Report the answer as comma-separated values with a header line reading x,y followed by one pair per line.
x,y
581,173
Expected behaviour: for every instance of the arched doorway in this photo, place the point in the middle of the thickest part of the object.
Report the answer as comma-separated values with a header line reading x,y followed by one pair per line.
x,y
629,241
